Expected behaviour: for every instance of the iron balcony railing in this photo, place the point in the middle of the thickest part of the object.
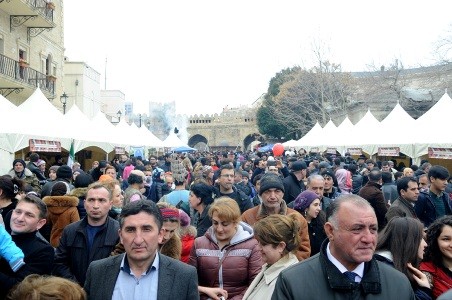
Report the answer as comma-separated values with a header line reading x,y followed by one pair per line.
x,y
21,72
43,7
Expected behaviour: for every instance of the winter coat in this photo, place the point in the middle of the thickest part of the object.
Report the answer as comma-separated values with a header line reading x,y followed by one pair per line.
x,y
187,240
233,268
240,197
72,257
400,208
61,211
263,285
38,260
421,293
256,213
292,187
390,192
316,233
440,279
29,178
202,222
80,193
425,208
323,280
373,194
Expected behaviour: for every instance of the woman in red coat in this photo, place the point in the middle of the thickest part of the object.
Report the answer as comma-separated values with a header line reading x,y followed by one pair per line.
x,y
437,264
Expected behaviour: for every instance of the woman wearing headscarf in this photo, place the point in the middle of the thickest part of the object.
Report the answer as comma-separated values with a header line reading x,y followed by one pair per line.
x,y
308,204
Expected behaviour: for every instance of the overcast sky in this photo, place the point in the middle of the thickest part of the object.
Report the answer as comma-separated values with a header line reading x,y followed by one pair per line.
x,y
208,54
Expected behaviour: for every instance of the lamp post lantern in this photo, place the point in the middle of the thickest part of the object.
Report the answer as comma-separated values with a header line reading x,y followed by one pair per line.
x,y
119,114
63,99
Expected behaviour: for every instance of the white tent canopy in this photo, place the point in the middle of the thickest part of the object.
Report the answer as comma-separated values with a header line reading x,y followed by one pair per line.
x,y
428,127
172,141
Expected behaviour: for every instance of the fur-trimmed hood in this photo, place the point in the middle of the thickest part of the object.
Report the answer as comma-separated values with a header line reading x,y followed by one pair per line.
x,y
59,204
79,192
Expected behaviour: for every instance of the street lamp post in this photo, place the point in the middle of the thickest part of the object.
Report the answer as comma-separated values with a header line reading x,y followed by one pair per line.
x,y
119,114
63,99
140,119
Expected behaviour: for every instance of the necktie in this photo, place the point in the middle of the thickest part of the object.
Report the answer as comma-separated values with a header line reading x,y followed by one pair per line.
x,y
350,275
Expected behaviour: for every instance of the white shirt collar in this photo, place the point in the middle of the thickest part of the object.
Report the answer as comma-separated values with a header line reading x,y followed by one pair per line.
x,y
359,270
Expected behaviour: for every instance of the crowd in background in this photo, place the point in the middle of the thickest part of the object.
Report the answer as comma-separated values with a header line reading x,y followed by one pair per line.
x,y
240,219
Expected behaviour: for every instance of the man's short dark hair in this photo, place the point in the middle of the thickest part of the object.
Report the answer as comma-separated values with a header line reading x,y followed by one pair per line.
x,y
438,172
134,178
385,163
42,207
256,179
134,208
352,168
374,175
257,161
386,177
402,183
425,165
34,157
226,167
398,175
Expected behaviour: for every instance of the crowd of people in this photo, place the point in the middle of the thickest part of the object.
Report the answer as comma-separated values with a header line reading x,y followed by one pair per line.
x,y
229,225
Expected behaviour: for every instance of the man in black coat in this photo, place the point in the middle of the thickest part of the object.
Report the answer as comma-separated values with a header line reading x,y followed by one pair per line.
x,y
92,238
293,184
26,219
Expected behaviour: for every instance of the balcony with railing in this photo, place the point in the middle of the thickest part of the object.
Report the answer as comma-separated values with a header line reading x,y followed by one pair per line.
x,y
36,15
18,75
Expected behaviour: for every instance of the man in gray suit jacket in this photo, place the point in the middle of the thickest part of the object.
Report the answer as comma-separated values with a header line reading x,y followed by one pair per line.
x,y
142,272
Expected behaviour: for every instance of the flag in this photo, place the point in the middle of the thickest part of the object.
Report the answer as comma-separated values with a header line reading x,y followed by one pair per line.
x,y
71,158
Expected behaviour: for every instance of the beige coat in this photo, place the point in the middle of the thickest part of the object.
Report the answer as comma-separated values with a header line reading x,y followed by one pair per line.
x,y
264,283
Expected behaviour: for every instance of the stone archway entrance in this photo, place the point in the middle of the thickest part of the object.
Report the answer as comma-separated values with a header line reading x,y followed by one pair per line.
x,y
250,138
199,142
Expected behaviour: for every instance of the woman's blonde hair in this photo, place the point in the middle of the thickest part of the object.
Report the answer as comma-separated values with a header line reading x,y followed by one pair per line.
x,y
37,287
275,229
227,209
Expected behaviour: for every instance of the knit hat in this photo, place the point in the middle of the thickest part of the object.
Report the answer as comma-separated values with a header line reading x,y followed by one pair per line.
x,y
54,168
184,218
304,199
41,162
271,181
59,189
168,213
20,161
64,172
104,178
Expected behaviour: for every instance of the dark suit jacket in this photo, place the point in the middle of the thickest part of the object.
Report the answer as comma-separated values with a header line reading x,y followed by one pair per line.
x,y
177,280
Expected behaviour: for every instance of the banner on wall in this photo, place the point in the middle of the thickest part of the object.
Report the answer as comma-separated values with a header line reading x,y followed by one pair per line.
x,y
388,151
443,153
44,146
137,151
315,149
331,150
120,150
355,151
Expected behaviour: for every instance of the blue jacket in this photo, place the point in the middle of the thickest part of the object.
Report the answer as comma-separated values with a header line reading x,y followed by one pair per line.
x,y
425,208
